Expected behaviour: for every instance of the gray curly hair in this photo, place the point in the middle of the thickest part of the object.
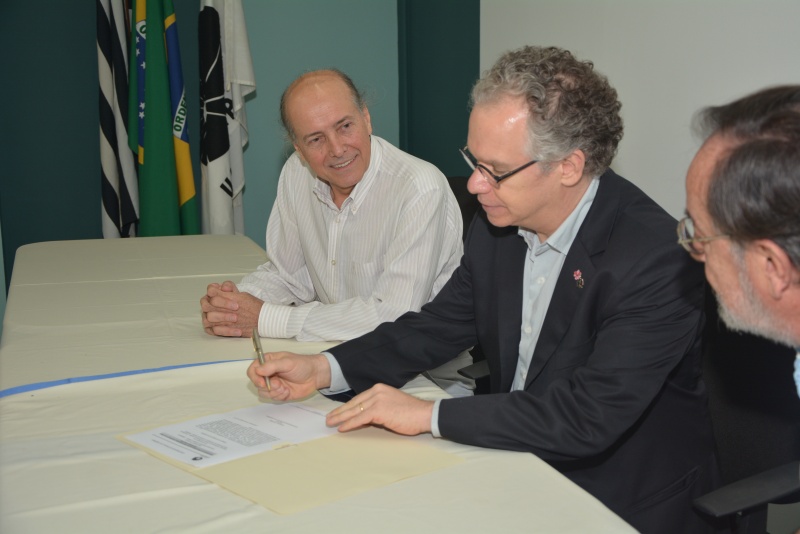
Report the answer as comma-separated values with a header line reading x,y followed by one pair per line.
x,y
571,105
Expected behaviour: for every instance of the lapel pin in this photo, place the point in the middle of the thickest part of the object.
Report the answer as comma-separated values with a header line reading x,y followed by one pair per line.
x,y
578,276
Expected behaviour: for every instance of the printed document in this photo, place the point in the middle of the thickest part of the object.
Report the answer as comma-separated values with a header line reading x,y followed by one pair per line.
x,y
215,439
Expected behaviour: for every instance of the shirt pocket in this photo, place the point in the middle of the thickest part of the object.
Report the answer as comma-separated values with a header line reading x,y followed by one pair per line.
x,y
361,278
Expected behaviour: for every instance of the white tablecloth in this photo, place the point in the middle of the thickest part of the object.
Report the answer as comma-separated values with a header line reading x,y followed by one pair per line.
x,y
94,308
62,470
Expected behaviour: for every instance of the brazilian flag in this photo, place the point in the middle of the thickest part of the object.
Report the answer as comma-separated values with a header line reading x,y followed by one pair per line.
x,y
167,200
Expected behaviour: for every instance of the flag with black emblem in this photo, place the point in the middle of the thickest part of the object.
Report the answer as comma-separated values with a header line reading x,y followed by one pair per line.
x,y
226,78
118,181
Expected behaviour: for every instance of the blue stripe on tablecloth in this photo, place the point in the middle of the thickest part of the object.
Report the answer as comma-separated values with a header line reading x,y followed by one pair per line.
x,y
51,383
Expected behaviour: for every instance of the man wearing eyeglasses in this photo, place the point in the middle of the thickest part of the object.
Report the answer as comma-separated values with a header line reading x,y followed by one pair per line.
x,y
589,313
743,212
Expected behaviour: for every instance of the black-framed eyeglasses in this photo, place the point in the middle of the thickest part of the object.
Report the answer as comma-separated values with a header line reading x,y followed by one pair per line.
x,y
692,244
473,164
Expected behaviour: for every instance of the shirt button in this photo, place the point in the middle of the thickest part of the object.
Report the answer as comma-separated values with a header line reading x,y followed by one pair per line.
x,y
333,262
527,329
540,280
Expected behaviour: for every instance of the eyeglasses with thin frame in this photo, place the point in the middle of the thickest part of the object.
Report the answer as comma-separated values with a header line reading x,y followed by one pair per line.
x,y
693,245
473,164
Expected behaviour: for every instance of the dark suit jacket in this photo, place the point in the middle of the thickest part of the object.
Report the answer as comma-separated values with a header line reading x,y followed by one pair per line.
x,y
613,397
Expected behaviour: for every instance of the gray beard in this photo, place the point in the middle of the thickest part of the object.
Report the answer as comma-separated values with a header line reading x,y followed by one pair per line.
x,y
753,318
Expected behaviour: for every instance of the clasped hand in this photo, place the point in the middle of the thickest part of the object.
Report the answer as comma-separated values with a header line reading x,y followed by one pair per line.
x,y
229,312
296,376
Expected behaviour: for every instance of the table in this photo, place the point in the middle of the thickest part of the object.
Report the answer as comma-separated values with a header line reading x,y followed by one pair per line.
x,y
62,468
97,307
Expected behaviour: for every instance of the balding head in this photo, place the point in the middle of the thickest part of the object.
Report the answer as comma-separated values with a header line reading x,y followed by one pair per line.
x,y
313,78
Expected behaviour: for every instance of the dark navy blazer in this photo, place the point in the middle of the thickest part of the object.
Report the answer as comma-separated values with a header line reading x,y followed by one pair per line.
x,y
613,397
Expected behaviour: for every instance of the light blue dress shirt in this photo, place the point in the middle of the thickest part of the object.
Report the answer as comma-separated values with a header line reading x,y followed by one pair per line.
x,y
797,371
543,263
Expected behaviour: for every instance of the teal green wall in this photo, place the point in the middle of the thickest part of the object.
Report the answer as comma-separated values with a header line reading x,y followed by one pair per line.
x,y
50,181
2,289
289,37
50,178
439,52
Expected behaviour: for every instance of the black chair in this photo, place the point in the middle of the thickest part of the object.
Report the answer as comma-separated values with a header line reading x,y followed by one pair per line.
x,y
466,201
755,413
479,370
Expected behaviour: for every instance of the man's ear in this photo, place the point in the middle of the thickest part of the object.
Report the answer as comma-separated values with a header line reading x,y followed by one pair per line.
x,y
572,168
777,267
367,119
299,152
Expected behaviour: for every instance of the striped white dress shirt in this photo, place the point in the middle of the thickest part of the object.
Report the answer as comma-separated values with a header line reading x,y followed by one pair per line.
x,y
335,274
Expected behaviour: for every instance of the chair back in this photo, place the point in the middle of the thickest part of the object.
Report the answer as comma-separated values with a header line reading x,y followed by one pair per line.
x,y
469,207
466,201
753,401
753,404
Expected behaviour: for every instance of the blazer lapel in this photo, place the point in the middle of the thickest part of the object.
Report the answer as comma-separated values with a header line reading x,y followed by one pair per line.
x,y
566,296
510,271
578,272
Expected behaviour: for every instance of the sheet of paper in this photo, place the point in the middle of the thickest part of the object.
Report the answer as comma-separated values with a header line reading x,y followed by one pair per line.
x,y
317,472
219,438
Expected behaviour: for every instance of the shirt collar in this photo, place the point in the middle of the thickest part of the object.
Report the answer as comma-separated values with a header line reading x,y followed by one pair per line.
x,y
561,240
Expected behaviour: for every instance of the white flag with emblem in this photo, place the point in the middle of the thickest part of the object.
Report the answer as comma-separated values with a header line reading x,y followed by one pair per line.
x,y
226,77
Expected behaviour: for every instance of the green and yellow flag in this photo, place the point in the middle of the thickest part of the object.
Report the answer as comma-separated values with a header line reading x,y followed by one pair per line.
x,y
167,200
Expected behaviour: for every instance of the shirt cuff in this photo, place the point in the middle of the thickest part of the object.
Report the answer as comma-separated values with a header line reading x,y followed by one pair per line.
x,y
435,419
281,322
338,382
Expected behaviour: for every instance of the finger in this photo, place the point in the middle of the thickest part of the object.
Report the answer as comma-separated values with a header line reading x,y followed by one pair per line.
x,y
352,415
228,286
352,419
257,379
354,402
216,304
278,391
223,303
360,401
273,365
226,331
221,318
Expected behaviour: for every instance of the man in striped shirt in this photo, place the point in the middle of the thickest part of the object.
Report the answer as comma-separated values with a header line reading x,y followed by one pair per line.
x,y
360,232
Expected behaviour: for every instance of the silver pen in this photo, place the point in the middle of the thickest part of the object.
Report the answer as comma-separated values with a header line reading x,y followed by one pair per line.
x,y
259,353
